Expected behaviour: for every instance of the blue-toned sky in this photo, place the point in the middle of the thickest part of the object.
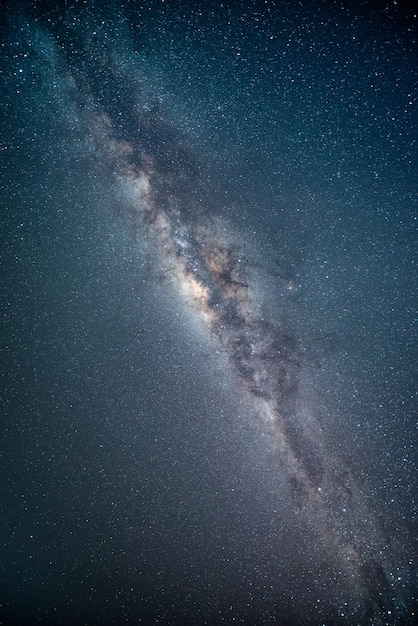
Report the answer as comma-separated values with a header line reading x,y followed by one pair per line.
x,y
209,298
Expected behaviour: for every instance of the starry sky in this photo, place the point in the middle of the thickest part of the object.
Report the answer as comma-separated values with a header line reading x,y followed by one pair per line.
x,y
208,345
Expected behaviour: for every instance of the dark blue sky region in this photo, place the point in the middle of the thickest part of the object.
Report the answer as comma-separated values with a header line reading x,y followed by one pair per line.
x,y
208,346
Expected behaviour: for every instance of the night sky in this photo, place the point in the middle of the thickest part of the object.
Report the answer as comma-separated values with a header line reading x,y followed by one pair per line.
x,y
209,304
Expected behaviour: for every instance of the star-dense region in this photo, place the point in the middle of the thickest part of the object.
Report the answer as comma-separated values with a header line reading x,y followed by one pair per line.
x,y
208,312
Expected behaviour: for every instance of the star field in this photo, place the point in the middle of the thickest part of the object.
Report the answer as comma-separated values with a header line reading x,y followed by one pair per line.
x,y
209,313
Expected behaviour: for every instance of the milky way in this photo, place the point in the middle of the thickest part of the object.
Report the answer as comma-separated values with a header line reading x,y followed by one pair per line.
x,y
168,194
